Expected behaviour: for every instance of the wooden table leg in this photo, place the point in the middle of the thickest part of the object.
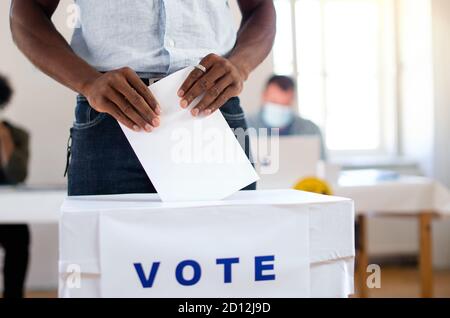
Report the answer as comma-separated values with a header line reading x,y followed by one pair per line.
x,y
425,258
362,257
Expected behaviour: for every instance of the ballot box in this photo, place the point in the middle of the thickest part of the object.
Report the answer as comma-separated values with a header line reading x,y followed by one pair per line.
x,y
267,243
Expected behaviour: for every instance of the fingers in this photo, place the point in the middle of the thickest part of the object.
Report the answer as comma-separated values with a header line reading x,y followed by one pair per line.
x,y
137,101
122,94
221,81
130,112
203,84
207,62
142,90
190,80
211,95
229,92
119,116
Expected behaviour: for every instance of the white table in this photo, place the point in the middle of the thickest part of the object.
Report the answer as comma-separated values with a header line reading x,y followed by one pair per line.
x,y
37,205
406,196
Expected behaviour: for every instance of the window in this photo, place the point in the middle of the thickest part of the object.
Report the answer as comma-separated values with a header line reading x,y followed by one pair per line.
x,y
343,55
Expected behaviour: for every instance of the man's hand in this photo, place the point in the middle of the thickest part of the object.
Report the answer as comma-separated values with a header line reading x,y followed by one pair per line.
x,y
6,145
123,95
221,81
224,77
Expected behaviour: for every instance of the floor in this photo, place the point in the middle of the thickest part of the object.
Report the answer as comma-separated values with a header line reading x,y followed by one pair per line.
x,y
404,282
395,282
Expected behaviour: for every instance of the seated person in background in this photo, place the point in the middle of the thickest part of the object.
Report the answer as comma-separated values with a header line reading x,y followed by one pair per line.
x,y
14,238
278,112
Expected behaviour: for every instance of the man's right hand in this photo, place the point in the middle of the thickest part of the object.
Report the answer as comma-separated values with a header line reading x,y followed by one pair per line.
x,y
123,95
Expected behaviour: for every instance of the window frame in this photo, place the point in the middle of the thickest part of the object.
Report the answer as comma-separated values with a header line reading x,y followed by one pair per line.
x,y
388,80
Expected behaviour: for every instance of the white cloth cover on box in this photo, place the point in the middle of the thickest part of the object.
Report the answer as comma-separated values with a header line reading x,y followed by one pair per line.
x,y
318,262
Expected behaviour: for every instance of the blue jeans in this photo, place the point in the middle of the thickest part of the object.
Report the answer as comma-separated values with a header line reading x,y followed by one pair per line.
x,y
103,162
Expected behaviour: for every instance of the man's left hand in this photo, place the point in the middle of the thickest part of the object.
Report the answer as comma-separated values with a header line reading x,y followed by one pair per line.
x,y
221,81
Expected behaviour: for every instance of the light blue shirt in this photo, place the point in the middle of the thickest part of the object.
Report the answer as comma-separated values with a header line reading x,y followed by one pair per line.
x,y
152,36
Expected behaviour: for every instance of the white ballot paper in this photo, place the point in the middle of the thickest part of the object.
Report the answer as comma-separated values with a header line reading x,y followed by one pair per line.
x,y
190,158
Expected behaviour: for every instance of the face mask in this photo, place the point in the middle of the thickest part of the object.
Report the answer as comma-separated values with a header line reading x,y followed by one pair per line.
x,y
276,115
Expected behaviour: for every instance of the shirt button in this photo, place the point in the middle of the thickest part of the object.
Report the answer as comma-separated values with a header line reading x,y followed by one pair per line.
x,y
170,42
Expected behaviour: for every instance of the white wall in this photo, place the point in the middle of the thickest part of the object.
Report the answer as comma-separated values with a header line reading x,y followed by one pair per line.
x,y
441,55
424,119
40,105
441,159
391,236
416,81
45,109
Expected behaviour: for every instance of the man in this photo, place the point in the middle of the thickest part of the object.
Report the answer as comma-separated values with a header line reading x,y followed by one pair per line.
x,y
278,111
122,46
14,238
